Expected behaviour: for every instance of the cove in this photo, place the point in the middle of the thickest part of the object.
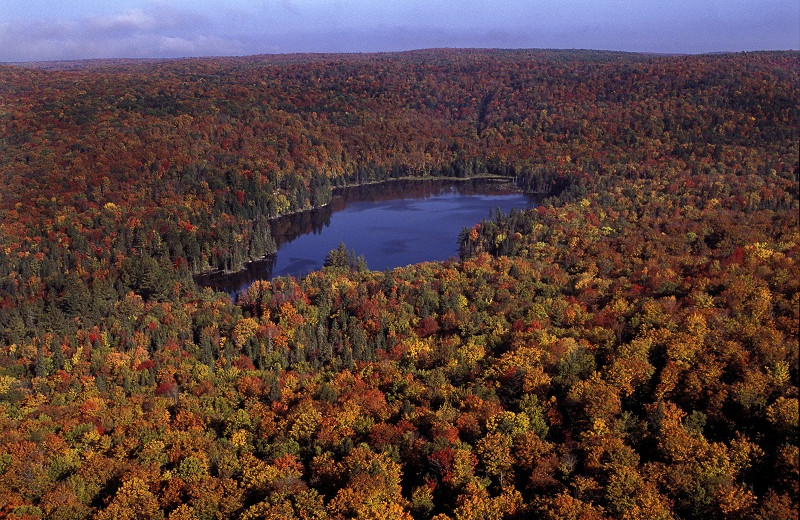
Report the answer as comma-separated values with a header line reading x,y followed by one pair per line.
x,y
391,224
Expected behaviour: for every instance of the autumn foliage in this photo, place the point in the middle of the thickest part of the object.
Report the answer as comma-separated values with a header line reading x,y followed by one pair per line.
x,y
627,349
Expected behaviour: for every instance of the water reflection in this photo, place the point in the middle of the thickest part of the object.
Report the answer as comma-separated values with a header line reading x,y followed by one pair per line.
x,y
391,224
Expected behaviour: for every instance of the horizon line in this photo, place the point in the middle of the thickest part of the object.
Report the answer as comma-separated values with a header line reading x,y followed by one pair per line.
x,y
368,53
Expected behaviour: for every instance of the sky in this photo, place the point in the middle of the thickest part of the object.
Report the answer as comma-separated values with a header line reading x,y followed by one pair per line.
x,y
43,30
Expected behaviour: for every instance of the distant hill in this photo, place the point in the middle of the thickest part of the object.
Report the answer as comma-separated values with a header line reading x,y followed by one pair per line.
x,y
627,349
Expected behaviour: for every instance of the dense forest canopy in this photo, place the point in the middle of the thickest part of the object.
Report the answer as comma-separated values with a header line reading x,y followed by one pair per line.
x,y
628,349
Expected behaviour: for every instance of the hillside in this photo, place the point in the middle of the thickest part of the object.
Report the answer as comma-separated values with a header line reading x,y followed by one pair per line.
x,y
629,349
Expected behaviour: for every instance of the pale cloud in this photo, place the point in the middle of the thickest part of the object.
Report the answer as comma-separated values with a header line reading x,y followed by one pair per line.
x,y
157,18
177,28
160,32
131,21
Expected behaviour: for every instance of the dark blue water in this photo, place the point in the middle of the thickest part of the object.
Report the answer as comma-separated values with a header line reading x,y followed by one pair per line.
x,y
391,225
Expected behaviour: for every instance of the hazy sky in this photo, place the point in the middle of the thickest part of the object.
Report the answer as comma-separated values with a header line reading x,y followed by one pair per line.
x,y
72,29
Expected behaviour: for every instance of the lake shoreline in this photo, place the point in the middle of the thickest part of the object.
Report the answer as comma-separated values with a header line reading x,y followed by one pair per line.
x,y
502,181
381,220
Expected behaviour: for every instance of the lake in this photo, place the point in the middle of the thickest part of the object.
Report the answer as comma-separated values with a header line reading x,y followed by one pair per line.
x,y
391,224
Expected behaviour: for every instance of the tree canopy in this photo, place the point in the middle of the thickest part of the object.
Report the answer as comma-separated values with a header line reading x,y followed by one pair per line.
x,y
627,349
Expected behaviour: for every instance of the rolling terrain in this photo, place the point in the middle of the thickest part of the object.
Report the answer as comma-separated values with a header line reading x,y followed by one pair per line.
x,y
628,349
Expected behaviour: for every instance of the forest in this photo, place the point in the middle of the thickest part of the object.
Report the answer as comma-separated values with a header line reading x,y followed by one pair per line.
x,y
628,349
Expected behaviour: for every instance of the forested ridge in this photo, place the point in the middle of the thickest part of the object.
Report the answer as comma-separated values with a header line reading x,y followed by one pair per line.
x,y
628,349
